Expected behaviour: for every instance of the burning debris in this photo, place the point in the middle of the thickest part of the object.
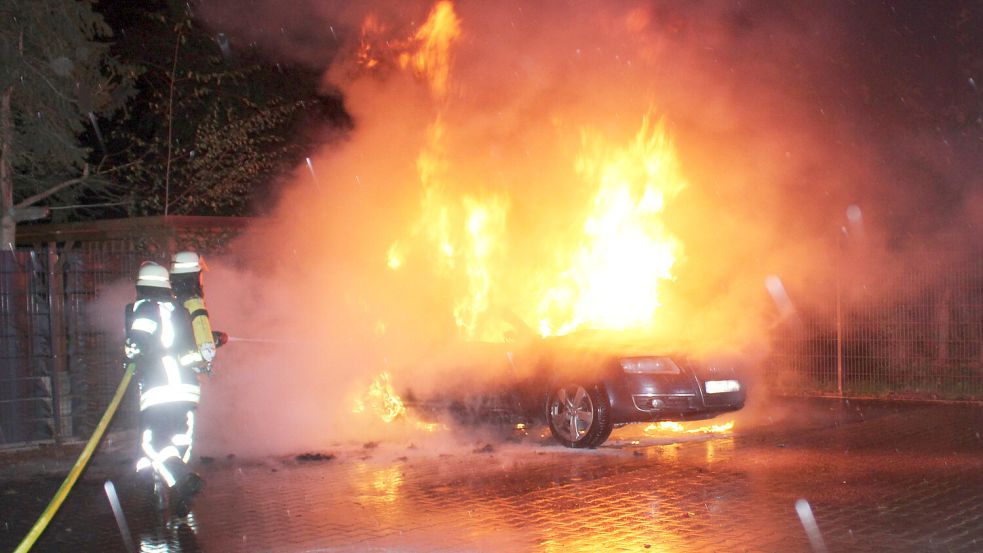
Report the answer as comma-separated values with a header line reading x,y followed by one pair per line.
x,y
381,399
676,427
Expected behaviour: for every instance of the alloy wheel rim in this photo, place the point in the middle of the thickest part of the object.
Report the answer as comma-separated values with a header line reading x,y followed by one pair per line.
x,y
572,414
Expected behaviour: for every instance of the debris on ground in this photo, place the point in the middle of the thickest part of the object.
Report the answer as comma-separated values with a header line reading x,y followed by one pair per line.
x,y
488,448
315,456
370,445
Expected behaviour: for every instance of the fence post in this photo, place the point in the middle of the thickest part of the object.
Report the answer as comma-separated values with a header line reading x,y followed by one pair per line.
x,y
56,310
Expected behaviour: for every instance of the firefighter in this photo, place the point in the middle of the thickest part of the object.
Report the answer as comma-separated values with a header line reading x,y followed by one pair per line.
x,y
159,340
188,284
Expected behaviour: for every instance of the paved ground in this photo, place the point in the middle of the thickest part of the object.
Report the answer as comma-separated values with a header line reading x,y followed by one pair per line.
x,y
865,477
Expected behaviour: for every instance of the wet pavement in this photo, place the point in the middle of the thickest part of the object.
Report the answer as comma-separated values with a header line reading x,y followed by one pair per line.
x,y
814,476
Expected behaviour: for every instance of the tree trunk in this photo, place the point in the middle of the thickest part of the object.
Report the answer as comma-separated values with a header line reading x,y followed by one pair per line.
x,y
8,226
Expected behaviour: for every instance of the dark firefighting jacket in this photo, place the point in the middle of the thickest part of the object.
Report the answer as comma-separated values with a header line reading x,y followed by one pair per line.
x,y
159,338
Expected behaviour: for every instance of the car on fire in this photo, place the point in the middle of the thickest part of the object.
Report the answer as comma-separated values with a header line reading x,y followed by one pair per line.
x,y
583,388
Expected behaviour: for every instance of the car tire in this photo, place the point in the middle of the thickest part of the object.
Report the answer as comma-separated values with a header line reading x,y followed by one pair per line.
x,y
579,416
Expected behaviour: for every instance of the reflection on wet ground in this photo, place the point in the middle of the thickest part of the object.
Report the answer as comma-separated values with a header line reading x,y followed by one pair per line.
x,y
876,477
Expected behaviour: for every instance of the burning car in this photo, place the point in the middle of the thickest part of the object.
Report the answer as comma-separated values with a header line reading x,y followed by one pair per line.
x,y
583,388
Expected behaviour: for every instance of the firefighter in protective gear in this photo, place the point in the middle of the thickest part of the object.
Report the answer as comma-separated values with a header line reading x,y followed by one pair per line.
x,y
159,340
187,281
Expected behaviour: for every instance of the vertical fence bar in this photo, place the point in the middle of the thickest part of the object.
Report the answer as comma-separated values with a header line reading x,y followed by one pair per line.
x,y
839,321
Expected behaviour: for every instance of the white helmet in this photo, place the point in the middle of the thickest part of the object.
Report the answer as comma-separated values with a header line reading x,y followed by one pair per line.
x,y
186,262
152,274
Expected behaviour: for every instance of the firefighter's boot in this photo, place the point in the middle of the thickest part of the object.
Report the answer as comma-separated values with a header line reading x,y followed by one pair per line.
x,y
184,492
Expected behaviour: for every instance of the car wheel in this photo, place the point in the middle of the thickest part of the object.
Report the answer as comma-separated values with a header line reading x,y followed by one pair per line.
x,y
578,416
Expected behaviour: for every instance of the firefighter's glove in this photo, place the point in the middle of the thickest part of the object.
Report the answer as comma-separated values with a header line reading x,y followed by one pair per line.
x,y
207,351
131,350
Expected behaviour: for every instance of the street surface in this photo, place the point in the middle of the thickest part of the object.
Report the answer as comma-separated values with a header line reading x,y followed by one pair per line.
x,y
808,475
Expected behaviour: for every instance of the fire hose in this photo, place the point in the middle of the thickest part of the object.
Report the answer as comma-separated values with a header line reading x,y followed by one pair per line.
x,y
262,340
80,465
83,460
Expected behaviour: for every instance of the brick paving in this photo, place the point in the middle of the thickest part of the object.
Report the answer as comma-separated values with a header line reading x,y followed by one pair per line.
x,y
876,477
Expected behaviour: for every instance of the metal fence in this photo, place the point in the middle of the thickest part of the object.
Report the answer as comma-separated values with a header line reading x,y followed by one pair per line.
x,y
60,360
59,369
26,395
916,333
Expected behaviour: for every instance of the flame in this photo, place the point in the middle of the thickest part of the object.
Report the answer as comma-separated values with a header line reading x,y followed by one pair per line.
x,y
367,56
394,259
615,275
484,224
381,399
669,426
434,38
468,233
607,275
427,53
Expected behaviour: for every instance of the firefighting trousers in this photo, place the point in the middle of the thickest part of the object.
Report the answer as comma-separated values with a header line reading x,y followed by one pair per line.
x,y
166,436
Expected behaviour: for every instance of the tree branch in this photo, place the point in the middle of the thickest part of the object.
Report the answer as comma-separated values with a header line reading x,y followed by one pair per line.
x,y
31,200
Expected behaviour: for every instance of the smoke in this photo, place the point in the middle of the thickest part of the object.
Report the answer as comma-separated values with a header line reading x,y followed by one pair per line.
x,y
764,106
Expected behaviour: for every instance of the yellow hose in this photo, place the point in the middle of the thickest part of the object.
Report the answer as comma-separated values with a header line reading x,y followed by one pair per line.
x,y
83,460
